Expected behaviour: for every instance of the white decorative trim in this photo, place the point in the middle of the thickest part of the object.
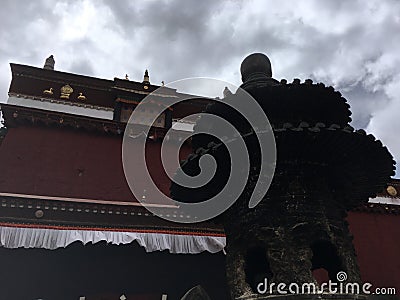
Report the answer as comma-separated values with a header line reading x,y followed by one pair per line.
x,y
85,200
17,237
61,106
385,200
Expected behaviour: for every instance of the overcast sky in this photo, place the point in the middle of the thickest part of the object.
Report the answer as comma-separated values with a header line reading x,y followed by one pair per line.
x,y
352,45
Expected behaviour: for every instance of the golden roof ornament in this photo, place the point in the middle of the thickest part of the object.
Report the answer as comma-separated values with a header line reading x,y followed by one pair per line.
x,y
81,96
391,190
66,90
48,92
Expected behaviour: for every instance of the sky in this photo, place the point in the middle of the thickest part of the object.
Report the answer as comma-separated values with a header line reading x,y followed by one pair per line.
x,y
351,45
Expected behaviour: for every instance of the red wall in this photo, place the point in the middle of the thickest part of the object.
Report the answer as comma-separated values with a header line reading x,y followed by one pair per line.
x,y
377,243
70,163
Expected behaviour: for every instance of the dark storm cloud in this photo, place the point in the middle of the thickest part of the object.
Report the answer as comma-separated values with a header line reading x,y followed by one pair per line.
x,y
189,38
176,36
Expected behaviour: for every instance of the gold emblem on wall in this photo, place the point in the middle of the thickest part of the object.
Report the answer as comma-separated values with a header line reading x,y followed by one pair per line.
x,y
391,191
66,90
81,97
48,92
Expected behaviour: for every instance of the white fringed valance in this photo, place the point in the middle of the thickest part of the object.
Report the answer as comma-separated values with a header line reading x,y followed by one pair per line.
x,y
20,237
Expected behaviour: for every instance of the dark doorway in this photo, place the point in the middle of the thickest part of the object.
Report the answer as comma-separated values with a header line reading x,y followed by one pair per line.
x,y
257,267
325,258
